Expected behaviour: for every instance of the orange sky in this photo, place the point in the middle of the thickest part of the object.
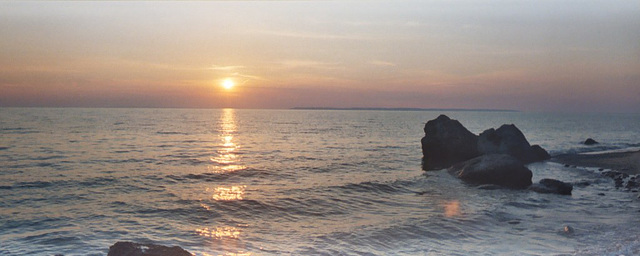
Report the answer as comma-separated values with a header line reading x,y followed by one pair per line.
x,y
523,55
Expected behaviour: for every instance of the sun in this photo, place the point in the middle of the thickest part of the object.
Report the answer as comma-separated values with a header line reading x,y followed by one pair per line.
x,y
228,84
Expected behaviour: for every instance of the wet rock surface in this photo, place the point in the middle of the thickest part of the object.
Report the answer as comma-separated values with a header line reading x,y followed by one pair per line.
x,y
590,141
551,186
135,249
508,139
497,169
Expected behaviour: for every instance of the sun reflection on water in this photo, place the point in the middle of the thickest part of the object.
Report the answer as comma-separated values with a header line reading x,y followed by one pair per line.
x,y
226,158
219,233
452,208
228,193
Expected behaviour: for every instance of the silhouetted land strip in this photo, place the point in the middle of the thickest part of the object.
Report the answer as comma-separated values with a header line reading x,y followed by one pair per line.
x,y
412,109
627,162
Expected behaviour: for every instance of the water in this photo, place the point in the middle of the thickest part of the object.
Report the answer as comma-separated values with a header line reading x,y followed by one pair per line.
x,y
294,182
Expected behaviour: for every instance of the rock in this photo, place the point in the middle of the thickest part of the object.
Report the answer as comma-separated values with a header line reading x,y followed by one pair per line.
x,y
539,153
632,184
590,141
498,169
568,230
551,186
135,249
601,194
582,184
508,139
616,175
447,142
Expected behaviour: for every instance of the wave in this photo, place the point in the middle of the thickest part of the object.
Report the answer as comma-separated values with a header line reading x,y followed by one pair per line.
x,y
600,148
221,176
18,130
172,133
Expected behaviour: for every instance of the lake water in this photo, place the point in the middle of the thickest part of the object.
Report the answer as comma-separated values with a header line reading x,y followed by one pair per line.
x,y
295,182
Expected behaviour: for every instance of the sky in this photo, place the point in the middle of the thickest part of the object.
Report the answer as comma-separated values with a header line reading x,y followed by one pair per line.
x,y
558,56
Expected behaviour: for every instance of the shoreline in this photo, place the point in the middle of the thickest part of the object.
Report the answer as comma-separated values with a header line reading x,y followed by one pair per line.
x,y
626,162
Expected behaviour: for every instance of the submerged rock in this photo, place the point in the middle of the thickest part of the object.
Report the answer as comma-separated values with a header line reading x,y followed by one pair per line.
x,y
447,142
498,169
551,186
590,141
135,249
508,139
568,230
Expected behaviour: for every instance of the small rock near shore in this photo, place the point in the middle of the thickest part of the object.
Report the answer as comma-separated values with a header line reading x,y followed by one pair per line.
x,y
590,141
135,249
551,186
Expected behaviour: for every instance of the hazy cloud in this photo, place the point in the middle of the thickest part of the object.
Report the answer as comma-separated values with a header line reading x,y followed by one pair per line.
x,y
225,68
309,35
291,64
382,63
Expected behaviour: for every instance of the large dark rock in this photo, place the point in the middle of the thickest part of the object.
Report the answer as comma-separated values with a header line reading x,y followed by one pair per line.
x,y
135,249
498,169
551,186
447,142
508,139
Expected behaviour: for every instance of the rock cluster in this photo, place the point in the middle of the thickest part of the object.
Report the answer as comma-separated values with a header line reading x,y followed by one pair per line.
x,y
496,156
447,142
623,180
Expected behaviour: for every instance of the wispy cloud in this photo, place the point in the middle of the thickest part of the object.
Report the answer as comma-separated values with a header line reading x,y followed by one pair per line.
x,y
249,77
309,35
382,63
225,68
290,64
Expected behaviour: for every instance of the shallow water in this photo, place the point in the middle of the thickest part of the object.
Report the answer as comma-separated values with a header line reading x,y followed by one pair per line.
x,y
294,182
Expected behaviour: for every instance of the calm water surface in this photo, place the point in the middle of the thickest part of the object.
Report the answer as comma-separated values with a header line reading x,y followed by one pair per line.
x,y
294,182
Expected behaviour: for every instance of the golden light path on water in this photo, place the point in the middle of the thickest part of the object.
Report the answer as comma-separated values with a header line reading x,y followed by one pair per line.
x,y
225,160
226,157
228,193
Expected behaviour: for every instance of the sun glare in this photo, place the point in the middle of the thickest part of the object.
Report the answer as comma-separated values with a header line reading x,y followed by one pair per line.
x,y
228,84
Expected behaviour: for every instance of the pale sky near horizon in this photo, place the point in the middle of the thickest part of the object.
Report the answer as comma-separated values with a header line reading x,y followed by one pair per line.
x,y
576,56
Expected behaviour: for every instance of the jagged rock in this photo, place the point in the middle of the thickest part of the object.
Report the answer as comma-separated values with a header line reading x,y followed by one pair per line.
x,y
616,175
447,142
539,153
508,139
135,249
551,186
590,141
498,169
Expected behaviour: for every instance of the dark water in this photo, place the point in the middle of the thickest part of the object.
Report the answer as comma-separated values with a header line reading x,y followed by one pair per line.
x,y
294,182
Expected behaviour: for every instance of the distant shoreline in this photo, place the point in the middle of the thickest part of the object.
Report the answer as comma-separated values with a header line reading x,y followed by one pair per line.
x,y
411,109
